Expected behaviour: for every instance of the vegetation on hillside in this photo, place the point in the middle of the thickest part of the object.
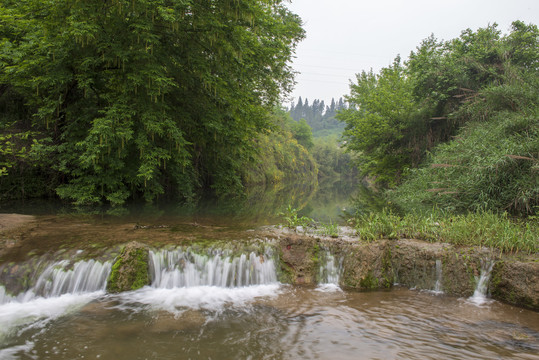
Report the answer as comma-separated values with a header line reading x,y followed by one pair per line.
x,y
325,143
332,160
282,154
456,126
104,101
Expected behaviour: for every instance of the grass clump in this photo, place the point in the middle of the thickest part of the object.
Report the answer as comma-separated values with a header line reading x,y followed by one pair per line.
x,y
293,220
331,230
481,228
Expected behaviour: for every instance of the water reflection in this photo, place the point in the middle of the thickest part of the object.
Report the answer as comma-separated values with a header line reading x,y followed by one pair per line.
x,y
330,201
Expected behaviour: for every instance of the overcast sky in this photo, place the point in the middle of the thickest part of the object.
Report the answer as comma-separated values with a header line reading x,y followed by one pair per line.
x,y
345,37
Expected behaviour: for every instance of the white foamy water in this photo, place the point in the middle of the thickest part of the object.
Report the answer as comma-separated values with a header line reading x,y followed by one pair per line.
x,y
329,288
38,311
183,279
61,288
438,289
329,272
12,353
61,278
184,268
212,298
480,294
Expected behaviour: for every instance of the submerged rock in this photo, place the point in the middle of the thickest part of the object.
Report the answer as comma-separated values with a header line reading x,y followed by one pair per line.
x,y
130,271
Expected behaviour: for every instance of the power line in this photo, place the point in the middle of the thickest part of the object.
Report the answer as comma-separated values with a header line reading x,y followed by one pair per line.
x,y
324,67
322,81
321,74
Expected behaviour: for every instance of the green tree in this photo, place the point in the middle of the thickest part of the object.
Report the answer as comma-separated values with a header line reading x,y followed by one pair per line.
x,y
379,120
303,134
468,107
143,97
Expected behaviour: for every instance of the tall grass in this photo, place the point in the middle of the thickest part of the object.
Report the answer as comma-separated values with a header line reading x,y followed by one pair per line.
x,y
481,228
490,165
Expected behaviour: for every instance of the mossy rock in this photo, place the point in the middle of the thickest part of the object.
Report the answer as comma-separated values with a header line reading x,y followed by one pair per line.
x,y
130,271
369,282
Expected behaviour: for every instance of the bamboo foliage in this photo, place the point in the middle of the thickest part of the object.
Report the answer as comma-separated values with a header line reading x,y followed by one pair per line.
x,y
145,80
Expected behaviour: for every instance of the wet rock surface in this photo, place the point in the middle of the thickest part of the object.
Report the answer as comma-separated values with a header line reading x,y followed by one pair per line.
x,y
366,265
516,282
298,259
412,263
130,270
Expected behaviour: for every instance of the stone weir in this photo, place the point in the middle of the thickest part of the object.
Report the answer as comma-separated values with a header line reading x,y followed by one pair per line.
x,y
194,255
299,259
438,267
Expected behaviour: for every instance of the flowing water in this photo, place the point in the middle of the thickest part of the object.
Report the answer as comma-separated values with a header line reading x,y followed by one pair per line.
x,y
225,302
480,294
219,304
274,321
329,273
438,285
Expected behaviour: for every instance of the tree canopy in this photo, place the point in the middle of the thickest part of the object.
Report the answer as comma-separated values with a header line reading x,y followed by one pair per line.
x,y
465,111
106,100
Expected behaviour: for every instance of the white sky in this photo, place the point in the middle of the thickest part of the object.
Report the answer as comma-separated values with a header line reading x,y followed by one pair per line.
x,y
345,37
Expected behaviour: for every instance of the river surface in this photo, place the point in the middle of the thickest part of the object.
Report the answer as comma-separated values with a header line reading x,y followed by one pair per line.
x,y
225,303
270,321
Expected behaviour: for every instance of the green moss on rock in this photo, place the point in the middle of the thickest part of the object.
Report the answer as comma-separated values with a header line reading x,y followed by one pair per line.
x,y
369,281
130,271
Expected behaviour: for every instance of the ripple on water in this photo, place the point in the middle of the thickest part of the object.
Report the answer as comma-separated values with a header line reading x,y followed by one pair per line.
x,y
281,322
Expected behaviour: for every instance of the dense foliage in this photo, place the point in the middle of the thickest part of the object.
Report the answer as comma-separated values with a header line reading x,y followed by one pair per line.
x,y
282,154
115,99
325,142
467,110
333,161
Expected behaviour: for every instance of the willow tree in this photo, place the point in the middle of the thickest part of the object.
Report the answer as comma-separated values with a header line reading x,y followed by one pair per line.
x,y
124,98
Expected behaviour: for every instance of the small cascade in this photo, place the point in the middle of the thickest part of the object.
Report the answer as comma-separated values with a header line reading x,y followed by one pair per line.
x,y
330,269
185,268
438,285
4,298
480,294
62,278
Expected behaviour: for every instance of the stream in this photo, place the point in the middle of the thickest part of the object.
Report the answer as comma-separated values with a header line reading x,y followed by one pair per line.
x,y
225,301
270,321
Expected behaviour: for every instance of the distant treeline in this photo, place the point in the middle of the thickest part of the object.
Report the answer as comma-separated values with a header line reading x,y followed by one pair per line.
x,y
319,116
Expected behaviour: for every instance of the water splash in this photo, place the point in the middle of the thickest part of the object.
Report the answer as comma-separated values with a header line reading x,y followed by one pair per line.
x,y
62,287
329,272
212,298
480,294
185,268
438,288
13,353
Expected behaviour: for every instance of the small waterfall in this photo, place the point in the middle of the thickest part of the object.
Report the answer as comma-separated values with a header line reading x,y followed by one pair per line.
x,y
330,269
185,268
480,294
4,298
438,285
60,278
